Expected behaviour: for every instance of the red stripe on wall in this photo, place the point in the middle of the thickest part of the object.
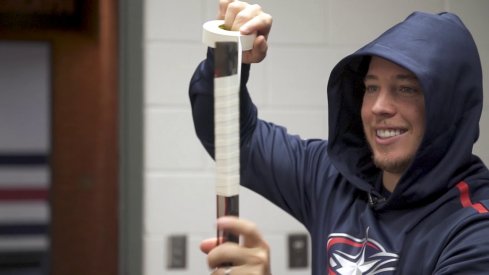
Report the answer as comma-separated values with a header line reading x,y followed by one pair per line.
x,y
19,194
463,188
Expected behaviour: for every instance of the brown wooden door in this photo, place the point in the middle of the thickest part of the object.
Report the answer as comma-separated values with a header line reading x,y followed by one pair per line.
x,y
84,160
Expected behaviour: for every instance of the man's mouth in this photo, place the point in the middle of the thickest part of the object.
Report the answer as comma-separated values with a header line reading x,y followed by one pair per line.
x,y
388,133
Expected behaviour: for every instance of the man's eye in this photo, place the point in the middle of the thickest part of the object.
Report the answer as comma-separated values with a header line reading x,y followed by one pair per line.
x,y
408,90
371,88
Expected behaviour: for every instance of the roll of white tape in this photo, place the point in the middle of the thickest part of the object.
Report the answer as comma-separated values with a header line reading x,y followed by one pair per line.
x,y
214,33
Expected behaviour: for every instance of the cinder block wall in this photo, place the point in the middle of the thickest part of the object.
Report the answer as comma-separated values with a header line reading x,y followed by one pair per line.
x,y
308,38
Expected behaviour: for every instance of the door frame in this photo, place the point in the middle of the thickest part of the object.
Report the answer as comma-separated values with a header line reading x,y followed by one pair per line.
x,y
131,136
96,161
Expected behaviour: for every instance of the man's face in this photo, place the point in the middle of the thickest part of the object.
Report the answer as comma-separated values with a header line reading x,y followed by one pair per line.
x,y
393,115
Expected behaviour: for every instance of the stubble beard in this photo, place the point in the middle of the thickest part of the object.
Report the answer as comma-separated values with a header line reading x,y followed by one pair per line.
x,y
391,165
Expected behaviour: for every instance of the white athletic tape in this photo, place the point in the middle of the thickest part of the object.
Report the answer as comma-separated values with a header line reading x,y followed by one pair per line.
x,y
214,33
226,110
226,135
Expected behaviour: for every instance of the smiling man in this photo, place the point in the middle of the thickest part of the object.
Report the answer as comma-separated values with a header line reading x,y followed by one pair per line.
x,y
393,117
395,189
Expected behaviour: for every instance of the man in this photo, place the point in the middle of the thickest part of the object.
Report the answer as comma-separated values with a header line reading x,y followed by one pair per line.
x,y
395,189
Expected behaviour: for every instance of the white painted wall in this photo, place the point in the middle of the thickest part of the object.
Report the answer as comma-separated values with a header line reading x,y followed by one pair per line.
x,y
308,38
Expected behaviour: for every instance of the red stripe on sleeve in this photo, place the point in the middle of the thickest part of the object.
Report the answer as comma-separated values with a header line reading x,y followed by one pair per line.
x,y
465,200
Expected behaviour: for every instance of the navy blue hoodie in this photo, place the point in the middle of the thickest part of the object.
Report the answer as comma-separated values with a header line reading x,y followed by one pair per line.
x,y
436,221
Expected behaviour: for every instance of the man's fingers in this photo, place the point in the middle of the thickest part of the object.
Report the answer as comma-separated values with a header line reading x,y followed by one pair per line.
x,y
261,24
223,6
225,253
232,253
253,255
248,230
246,14
232,12
258,53
207,245
248,19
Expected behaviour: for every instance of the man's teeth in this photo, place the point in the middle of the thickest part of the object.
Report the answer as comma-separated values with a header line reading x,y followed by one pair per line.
x,y
388,133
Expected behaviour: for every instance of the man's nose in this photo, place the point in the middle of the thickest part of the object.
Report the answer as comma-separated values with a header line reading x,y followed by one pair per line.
x,y
384,103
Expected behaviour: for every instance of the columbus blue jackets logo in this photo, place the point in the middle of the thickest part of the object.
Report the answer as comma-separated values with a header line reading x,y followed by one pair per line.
x,y
353,256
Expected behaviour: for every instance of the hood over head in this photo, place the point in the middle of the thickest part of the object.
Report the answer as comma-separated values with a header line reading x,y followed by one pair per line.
x,y
442,54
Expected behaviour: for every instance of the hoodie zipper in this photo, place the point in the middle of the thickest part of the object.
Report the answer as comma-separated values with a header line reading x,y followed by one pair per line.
x,y
375,198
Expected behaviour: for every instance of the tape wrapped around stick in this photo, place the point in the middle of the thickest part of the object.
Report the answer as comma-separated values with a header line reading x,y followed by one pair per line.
x,y
229,46
226,117
227,61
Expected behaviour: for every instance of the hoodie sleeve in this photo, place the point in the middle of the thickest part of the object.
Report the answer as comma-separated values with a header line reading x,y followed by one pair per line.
x,y
281,167
468,251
